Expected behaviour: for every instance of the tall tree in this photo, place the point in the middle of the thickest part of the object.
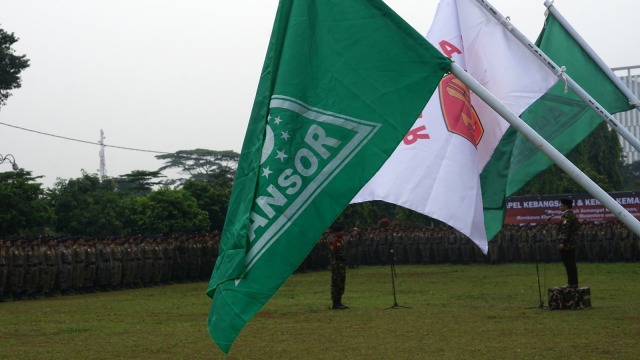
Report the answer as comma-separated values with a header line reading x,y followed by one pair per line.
x,y
599,156
87,206
139,182
23,207
176,211
202,164
631,176
11,65
210,198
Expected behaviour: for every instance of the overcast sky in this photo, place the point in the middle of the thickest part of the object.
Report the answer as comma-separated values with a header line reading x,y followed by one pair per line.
x,y
166,75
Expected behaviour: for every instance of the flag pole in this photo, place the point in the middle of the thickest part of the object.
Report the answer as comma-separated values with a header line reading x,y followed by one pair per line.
x,y
544,146
633,99
562,75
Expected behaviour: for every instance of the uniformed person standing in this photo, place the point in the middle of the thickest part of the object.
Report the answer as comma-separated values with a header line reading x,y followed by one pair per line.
x,y
65,266
115,278
425,246
338,262
524,243
412,246
4,270
567,232
79,264
49,267
194,255
591,242
466,248
146,251
32,269
180,260
128,263
157,263
136,275
352,244
90,266
103,266
453,245
168,248
16,270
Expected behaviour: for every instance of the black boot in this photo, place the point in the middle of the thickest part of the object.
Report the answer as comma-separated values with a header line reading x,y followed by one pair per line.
x,y
338,305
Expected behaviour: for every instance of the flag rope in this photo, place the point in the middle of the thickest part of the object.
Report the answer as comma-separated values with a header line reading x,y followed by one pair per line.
x,y
562,73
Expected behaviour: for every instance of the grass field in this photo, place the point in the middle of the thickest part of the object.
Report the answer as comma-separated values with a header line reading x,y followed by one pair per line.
x,y
453,312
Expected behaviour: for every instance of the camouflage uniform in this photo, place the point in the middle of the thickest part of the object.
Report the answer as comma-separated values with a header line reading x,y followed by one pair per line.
x,y
439,246
591,237
128,263
4,270
16,270
180,260
146,252
494,247
32,270
453,246
425,246
49,267
466,249
568,227
370,248
90,266
193,250
382,242
168,249
352,244
79,264
157,263
337,259
627,244
136,276
103,266
65,266
412,247
115,279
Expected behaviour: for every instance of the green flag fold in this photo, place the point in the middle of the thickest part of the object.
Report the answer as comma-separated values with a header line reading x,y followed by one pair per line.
x,y
561,117
342,83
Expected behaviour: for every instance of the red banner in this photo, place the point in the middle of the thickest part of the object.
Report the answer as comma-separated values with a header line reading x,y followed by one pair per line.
x,y
537,209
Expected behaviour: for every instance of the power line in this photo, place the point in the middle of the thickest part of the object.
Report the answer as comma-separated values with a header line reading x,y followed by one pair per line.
x,y
84,141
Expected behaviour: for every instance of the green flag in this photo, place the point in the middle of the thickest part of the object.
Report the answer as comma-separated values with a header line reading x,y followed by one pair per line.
x,y
342,83
562,118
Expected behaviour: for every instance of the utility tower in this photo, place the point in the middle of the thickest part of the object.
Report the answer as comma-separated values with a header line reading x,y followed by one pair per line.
x,y
103,167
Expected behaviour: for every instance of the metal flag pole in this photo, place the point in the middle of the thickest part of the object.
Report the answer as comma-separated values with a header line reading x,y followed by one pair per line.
x,y
544,146
591,102
633,99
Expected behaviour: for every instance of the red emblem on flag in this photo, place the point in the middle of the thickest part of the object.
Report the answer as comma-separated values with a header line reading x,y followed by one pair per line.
x,y
458,113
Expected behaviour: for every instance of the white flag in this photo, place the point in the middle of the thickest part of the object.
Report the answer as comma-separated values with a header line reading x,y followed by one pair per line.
x,y
435,170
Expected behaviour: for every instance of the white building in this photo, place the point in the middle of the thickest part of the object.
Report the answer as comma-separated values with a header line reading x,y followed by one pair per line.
x,y
630,76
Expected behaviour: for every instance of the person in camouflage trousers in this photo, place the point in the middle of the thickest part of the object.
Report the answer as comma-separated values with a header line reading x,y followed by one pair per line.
x,y
33,260
4,270
65,266
90,266
49,267
79,263
568,227
338,263
115,277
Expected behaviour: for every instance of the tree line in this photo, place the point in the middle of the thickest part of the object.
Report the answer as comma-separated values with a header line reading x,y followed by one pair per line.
x,y
145,203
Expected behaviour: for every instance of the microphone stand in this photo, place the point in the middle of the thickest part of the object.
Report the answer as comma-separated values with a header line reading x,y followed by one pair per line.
x,y
541,302
392,263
